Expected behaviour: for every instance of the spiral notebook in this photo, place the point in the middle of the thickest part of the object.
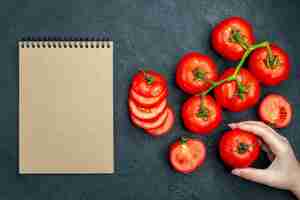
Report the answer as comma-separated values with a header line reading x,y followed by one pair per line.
x,y
66,107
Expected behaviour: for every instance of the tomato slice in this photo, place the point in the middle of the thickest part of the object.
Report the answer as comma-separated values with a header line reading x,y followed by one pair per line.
x,y
165,127
186,155
275,110
150,124
147,102
147,114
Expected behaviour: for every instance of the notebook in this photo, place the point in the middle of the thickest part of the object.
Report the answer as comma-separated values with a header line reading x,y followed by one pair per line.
x,y
66,107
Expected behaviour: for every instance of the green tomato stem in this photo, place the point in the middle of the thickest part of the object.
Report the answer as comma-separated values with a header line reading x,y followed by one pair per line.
x,y
238,67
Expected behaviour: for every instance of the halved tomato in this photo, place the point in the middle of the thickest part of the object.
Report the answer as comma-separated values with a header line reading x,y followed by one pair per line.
x,y
275,110
147,102
186,154
150,124
147,114
165,127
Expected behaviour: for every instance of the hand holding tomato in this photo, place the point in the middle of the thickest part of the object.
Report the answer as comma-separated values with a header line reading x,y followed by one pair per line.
x,y
284,172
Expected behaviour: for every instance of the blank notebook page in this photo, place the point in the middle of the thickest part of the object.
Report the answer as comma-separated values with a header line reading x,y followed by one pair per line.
x,y
66,107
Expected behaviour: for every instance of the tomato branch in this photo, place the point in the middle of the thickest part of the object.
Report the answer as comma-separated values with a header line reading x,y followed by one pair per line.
x,y
238,67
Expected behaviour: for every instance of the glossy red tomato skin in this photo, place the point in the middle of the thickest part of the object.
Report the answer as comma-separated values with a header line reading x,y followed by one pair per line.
x,y
188,65
165,127
229,145
147,114
147,102
265,74
275,110
226,93
197,124
148,88
221,37
192,152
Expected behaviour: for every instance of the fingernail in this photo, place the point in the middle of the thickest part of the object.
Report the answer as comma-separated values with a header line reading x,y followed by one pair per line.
x,y
232,125
235,172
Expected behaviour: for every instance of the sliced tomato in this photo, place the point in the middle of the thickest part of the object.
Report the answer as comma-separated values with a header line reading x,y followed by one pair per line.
x,y
165,127
147,114
147,102
275,110
186,155
150,124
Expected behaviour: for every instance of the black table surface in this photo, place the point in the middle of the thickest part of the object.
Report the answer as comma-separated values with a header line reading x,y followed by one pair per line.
x,y
152,34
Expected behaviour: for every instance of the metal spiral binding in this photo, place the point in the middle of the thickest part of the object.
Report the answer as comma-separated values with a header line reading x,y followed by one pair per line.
x,y
54,42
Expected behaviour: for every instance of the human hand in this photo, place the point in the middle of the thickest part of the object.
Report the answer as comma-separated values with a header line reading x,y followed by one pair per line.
x,y
284,171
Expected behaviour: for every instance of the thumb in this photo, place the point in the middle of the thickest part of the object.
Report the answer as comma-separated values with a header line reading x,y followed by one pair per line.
x,y
252,174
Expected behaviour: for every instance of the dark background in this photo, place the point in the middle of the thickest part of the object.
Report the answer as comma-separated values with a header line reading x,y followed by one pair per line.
x,y
152,34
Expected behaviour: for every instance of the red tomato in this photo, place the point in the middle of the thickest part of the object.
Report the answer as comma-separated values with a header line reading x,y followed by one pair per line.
x,y
270,70
186,155
275,110
150,124
165,127
195,72
147,102
238,148
147,114
231,37
148,83
235,98
201,115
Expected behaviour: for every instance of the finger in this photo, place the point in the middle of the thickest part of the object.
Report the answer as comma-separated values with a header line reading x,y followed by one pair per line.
x,y
266,149
262,124
257,175
232,125
272,140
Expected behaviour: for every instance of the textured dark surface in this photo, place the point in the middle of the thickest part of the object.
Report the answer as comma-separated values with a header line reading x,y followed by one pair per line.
x,y
152,34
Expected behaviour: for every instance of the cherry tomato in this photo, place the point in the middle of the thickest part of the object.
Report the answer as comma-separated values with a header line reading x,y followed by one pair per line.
x,y
270,67
148,83
186,155
238,148
195,72
150,124
240,94
275,110
147,102
147,114
201,115
231,37
165,127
